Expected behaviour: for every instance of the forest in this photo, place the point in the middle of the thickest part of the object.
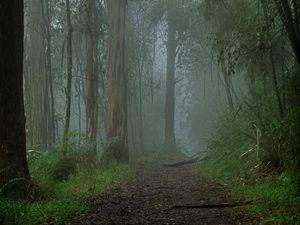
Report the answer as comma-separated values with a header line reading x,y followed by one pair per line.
x,y
137,112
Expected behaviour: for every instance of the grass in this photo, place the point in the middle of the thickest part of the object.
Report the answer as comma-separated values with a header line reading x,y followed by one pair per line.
x,y
59,200
24,212
273,197
263,174
274,201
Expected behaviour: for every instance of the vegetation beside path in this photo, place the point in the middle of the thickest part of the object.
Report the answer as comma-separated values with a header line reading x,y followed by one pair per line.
x,y
61,186
257,171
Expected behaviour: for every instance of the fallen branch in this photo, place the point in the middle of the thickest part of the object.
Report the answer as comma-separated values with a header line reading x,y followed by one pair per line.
x,y
184,162
220,205
209,206
157,188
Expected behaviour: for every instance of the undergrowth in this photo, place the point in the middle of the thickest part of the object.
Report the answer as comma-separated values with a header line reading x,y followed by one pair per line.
x,y
275,201
61,184
273,198
253,151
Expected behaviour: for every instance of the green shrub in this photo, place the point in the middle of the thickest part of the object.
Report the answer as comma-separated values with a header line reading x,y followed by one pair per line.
x,y
274,201
53,198
24,212
253,150
63,168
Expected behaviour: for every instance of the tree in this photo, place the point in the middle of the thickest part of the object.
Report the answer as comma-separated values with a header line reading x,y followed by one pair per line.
x,y
117,94
289,12
91,78
69,71
36,82
220,14
272,61
46,6
13,163
170,82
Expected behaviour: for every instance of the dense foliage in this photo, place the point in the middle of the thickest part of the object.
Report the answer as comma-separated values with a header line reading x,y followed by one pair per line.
x,y
60,186
256,144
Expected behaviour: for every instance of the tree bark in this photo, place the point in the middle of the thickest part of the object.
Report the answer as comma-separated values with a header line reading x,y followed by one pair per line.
x,y
117,94
13,163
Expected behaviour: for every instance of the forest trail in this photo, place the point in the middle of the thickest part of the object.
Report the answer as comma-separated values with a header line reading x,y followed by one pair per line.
x,y
160,195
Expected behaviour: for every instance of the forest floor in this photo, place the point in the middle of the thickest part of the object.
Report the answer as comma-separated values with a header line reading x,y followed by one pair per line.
x,y
159,195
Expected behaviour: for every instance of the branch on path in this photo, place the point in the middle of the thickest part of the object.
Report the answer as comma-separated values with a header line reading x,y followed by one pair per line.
x,y
185,162
219,205
209,206
164,187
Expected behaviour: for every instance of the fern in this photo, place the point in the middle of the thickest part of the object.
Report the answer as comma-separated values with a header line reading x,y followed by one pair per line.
x,y
62,169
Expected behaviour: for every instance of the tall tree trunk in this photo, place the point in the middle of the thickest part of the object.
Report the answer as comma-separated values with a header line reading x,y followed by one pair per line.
x,y
152,65
227,88
133,115
136,115
69,72
117,94
274,74
91,79
276,87
170,84
49,98
51,119
13,163
290,14
35,77
79,93
290,17
141,136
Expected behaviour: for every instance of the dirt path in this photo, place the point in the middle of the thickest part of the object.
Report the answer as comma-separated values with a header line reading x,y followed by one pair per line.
x,y
160,195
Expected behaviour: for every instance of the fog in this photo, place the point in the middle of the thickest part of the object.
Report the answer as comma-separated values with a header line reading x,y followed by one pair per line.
x,y
149,112
199,89
171,68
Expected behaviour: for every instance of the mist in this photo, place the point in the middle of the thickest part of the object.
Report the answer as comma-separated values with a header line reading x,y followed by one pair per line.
x,y
192,101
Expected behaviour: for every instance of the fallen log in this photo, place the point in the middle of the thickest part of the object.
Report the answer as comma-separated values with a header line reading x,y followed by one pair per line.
x,y
185,162
207,206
